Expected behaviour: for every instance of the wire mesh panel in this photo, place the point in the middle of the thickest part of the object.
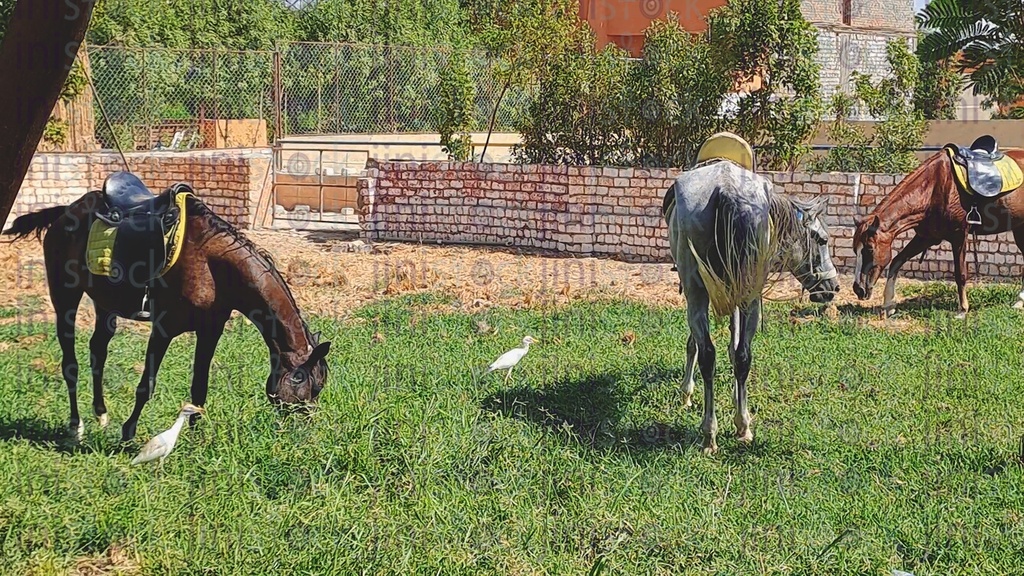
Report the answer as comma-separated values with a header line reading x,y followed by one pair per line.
x,y
354,88
157,98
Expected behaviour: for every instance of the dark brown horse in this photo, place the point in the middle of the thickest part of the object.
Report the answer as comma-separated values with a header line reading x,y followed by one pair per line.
x,y
930,202
219,270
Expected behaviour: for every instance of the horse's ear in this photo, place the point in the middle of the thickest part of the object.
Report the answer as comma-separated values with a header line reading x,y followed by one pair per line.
x,y
818,206
319,353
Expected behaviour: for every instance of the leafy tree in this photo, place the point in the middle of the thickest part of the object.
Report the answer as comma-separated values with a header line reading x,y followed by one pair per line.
x,y
524,37
673,95
769,42
228,24
577,114
456,108
983,38
890,149
938,90
395,22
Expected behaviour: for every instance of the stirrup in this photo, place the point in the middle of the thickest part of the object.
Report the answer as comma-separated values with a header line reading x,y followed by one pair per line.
x,y
143,314
973,217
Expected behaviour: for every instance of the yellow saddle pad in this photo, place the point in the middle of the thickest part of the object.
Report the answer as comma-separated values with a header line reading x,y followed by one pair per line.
x,y
103,237
984,174
727,146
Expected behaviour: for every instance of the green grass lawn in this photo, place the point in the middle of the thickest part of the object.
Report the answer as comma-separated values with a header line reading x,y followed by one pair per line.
x,y
874,450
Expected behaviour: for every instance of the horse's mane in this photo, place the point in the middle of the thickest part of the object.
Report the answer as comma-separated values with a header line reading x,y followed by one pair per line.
x,y
223,228
784,219
908,185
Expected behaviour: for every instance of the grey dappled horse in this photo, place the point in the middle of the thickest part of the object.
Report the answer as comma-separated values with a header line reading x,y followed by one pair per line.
x,y
728,230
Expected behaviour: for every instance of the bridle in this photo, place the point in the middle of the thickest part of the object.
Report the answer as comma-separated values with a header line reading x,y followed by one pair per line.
x,y
819,276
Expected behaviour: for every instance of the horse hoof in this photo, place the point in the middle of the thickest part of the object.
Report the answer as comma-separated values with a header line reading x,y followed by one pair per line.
x,y
1018,304
745,437
710,450
77,431
961,316
688,402
103,420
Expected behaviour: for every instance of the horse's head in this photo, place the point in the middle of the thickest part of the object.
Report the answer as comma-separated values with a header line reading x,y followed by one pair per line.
x,y
808,255
301,383
872,249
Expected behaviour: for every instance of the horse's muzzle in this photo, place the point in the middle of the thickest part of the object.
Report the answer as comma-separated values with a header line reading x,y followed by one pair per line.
x,y
824,292
863,291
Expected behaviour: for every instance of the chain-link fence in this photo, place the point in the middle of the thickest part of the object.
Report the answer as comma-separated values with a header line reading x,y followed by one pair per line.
x,y
157,98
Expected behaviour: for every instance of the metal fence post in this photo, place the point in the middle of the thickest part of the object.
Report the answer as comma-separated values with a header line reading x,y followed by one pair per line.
x,y
148,113
278,96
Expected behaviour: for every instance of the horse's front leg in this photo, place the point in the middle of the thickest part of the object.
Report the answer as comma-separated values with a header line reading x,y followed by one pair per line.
x,y
914,248
207,338
159,340
743,337
960,273
697,318
106,324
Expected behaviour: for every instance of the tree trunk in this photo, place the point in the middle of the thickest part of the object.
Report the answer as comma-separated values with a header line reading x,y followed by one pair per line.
x,y
494,115
35,58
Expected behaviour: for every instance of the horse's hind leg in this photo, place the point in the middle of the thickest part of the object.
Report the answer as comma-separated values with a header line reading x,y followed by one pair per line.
x,y
691,367
743,337
106,324
960,274
697,318
65,304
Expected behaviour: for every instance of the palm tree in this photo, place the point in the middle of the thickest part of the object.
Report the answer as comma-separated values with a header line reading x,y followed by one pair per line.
x,y
986,40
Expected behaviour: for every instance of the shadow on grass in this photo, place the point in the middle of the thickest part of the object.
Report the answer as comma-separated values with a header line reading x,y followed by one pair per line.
x,y
40,434
942,297
47,436
588,412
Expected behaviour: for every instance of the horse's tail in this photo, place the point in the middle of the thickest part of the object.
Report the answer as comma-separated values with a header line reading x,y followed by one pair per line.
x,y
740,260
34,222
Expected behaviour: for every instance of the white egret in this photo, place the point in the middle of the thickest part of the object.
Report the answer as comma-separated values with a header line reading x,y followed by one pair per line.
x,y
508,360
161,445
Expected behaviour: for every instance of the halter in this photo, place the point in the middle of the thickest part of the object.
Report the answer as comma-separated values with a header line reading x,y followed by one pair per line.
x,y
828,273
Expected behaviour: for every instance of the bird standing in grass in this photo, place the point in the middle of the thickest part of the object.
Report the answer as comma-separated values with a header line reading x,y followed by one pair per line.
x,y
508,360
161,445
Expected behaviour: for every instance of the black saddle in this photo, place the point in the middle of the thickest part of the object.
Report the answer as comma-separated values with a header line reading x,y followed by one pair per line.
x,y
143,220
983,169
124,193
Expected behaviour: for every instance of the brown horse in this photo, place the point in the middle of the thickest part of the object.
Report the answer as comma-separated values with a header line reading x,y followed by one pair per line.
x,y
218,271
929,201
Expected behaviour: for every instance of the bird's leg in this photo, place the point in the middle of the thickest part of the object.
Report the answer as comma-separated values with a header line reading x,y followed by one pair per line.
x,y
509,375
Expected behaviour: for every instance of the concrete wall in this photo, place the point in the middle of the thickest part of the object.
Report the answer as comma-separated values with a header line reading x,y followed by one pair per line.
x,y
231,182
611,212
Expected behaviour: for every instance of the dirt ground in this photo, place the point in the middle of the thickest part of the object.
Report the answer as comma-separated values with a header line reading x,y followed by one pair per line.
x,y
331,274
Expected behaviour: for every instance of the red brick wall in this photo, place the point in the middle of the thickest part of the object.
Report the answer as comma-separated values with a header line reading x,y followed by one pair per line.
x,y
612,212
228,181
